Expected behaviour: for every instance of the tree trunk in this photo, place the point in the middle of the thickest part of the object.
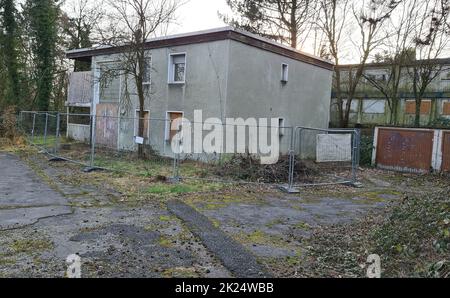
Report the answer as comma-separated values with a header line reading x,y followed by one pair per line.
x,y
293,30
140,91
417,114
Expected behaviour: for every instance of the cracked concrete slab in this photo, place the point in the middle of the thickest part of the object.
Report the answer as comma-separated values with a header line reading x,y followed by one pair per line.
x,y
19,217
24,198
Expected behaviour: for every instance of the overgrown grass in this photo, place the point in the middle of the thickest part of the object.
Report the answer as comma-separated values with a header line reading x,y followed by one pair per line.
x,y
412,238
182,188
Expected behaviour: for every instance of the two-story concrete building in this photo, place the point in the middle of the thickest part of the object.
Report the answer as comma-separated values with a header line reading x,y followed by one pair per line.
x,y
226,73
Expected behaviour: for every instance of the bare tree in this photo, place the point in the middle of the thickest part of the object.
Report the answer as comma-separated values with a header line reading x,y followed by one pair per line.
x,y
131,24
369,17
398,48
79,21
286,21
430,39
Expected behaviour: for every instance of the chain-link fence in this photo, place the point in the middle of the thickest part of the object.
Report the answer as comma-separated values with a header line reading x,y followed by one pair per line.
x,y
241,151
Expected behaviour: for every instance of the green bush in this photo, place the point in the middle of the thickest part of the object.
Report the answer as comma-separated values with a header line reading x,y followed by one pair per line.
x,y
366,149
441,123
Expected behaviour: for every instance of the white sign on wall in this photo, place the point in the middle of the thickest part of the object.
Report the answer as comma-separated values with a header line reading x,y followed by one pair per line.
x,y
334,147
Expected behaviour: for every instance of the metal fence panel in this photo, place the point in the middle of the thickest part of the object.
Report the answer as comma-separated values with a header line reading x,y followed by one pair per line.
x,y
303,156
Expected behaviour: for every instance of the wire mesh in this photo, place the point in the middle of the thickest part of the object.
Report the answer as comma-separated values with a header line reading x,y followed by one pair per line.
x,y
249,152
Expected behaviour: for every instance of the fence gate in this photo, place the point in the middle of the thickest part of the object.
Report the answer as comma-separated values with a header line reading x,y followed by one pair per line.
x,y
408,150
446,151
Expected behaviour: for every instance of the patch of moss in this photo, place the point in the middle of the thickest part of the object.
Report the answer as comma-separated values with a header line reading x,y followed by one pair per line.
x,y
165,241
302,226
259,237
166,218
31,245
213,206
375,196
180,272
275,222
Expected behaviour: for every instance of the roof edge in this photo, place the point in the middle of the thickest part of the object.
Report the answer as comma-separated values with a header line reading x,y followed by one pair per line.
x,y
215,34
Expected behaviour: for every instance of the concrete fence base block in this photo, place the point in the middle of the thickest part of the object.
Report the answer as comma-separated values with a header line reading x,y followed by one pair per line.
x,y
287,189
92,169
56,159
355,184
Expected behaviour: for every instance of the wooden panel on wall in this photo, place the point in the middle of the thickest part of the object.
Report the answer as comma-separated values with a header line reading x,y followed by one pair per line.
x,y
446,109
106,126
425,107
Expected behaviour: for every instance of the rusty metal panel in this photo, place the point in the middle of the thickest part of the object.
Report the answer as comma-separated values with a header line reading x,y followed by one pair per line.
x,y
106,126
446,151
405,149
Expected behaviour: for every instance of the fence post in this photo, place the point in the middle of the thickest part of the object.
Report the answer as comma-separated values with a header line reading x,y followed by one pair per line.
x,y
58,116
20,122
355,154
45,131
289,188
176,160
93,124
32,129
291,160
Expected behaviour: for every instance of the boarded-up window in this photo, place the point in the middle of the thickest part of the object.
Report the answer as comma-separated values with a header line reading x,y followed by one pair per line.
x,y
425,107
446,109
174,121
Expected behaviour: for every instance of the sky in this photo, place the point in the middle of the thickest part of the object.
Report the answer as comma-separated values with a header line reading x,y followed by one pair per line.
x,y
199,15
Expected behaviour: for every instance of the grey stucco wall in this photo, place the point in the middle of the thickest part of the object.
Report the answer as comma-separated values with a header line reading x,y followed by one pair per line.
x,y
255,89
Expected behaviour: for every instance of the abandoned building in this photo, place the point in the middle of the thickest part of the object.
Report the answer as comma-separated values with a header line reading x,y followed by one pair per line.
x,y
370,106
226,73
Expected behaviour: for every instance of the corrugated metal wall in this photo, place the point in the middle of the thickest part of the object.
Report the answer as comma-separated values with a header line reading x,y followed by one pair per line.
x,y
405,149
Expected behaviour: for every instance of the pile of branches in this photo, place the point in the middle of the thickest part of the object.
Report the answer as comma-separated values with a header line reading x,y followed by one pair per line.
x,y
249,168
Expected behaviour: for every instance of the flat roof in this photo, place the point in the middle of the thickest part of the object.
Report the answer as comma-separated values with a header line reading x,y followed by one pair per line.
x,y
208,36
442,61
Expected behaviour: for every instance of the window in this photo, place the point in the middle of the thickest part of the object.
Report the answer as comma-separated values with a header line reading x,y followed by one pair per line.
x,y
177,68
376,77
425,107
373,106
82,115
109,81
173,124
353,105
284,72
281,126
146,124
147,71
